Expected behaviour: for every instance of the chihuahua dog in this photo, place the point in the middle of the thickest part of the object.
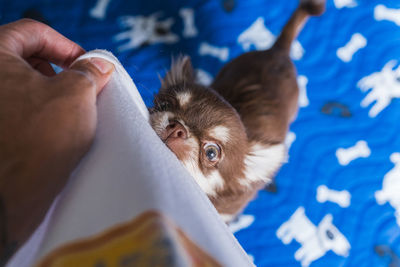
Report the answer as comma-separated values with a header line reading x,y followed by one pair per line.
x,y
230,136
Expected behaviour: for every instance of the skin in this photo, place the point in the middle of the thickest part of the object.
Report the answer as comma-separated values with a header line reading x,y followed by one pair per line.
x,y
47,122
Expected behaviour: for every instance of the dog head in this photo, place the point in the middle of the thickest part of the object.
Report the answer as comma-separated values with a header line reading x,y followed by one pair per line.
x,y
201,128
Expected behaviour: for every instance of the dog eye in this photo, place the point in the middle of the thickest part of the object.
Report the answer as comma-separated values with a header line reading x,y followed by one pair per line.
x,y
212,152
330,235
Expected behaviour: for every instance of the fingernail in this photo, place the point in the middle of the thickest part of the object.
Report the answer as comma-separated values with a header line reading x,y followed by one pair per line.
x,y
102,65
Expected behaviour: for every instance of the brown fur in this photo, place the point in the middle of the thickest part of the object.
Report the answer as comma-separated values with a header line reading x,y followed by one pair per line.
x,y
209,110
254,96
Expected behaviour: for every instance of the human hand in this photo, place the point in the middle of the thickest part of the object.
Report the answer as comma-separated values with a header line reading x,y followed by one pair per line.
x,y
47,122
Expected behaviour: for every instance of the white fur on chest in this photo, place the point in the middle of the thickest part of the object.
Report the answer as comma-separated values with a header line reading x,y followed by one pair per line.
x,y
262,162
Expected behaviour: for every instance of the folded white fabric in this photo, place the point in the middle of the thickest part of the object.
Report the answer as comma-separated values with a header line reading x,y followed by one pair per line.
x,y
128,171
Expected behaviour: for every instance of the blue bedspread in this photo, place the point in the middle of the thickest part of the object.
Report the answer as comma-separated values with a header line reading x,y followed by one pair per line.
x,y
337,200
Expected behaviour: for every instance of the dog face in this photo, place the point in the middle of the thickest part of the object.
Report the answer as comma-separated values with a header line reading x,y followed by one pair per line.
x,y
201,128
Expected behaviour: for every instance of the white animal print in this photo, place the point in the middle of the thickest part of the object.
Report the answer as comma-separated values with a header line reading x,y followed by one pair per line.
x,y
290,138
342,198
383,13
344,3
391,187
222,53
99,10
347,155
242,222
296,51
385,86
303,99
189,28
203,77
144,30
356,42
256,35
259,37
315,241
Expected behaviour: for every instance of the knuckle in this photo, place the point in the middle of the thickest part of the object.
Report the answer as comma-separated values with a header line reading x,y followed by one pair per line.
x,y
16,32
23,24
26,22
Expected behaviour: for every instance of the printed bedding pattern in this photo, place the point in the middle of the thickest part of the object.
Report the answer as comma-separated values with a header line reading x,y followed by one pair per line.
x,y
336,202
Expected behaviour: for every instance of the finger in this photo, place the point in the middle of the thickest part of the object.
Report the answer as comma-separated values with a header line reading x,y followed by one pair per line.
x,y
42,66
86,74
29,38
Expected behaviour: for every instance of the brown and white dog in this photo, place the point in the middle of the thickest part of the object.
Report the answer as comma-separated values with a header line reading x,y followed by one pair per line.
x,y
230,135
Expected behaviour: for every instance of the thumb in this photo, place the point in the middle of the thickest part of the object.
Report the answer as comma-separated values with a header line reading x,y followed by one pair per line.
x,y
90,73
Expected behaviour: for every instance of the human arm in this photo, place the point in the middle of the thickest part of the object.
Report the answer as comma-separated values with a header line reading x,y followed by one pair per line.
x,y
47,122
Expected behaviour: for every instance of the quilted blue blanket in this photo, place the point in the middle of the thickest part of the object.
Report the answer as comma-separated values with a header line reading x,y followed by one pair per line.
x,y
336,202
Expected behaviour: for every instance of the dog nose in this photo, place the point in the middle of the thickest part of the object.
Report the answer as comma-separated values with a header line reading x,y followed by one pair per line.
x,y
176,130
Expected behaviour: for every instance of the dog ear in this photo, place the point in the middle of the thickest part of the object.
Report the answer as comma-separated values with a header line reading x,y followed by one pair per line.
x,y
326,221
181,72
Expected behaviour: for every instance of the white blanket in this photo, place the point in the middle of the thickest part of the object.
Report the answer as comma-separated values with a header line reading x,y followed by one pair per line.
x,y
127,171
